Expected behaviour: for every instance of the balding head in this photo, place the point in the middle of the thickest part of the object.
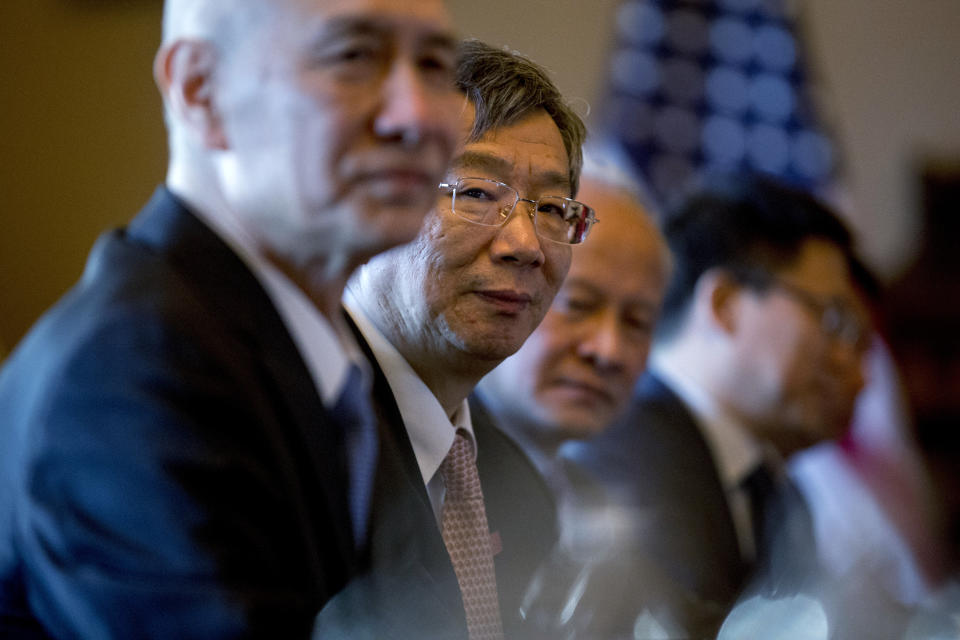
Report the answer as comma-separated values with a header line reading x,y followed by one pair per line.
x,y
319,128
219,21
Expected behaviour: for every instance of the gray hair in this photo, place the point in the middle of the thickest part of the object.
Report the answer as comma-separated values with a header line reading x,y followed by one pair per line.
x,y
607,167
505,87
606,164
223,22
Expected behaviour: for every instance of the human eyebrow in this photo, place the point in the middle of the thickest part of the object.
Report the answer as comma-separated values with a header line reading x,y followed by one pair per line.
x,y
581,285
339,31
439,40
482,162
348,26
554,182
358,26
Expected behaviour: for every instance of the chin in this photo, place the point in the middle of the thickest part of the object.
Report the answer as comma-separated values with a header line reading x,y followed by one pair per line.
x,y
390,228
576,424
494,346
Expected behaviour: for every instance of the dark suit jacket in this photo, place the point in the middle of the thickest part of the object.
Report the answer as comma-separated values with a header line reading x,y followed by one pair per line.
x,y
167,468
656,463
409,589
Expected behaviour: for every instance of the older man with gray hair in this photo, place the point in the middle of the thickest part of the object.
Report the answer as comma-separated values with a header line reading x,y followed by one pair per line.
x,y
186,449
574,376
461,518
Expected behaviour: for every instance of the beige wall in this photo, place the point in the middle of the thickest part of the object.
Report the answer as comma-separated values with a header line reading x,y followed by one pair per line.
x,y
82,146
81,139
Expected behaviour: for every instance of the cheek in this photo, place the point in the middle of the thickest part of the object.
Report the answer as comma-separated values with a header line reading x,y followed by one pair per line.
x,y
556,265
541,354
797,364
637,357
560,348
435,266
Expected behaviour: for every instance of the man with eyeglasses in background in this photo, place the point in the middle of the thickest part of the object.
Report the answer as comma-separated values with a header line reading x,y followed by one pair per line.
x,y
758,324
436,315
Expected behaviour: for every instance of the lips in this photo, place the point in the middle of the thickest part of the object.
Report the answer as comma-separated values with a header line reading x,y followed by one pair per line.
x,y
583,390
506,300
399,178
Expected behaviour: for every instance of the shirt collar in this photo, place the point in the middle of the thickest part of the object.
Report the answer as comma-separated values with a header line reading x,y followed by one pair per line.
x,y
328,349
735,450
430,430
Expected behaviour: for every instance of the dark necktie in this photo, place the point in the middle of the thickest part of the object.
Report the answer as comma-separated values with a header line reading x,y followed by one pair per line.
x,y
760,488
354,412
783,532
466,535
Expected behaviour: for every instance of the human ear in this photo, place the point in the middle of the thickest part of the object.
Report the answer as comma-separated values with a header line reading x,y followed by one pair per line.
x,y
184,73
719,294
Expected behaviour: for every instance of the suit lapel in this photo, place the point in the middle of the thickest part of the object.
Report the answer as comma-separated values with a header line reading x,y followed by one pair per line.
x,y
406,543
226,284
520,509
695,498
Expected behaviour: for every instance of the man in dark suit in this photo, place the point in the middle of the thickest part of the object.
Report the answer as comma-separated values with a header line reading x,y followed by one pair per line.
x,y
182,443
439,313
758,323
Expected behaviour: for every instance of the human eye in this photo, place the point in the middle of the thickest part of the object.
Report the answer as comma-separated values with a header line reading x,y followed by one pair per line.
x,y
351,56
639,323
553,208
439,64
477,191
575,303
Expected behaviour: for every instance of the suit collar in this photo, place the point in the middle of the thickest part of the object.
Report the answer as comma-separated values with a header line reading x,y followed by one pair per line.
x,y
428,427
735,450
223,282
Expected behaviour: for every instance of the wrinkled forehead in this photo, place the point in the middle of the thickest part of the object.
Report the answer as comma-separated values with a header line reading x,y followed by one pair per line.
x,y
425,20
529,152
821,267
243,24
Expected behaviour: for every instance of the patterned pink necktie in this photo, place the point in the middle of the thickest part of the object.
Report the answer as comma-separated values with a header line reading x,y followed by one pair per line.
x,y
467,537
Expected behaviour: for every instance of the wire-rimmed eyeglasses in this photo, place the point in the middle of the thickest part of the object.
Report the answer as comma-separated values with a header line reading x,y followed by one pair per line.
x,y
837,319
490,203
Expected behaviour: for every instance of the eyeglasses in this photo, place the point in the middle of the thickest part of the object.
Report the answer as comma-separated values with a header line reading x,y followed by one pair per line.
x,y
490,203
837,320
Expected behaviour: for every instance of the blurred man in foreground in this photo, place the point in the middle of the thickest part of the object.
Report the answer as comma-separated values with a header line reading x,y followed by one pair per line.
x,y
184,451
461,518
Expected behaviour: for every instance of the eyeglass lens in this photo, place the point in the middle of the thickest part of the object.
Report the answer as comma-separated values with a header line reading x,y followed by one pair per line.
x,y
489,202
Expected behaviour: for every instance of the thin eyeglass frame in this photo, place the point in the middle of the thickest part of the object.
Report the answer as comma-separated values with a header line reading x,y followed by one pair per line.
x,y
587,219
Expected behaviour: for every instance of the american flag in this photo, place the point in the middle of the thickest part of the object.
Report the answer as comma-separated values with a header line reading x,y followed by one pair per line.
x,y
696,85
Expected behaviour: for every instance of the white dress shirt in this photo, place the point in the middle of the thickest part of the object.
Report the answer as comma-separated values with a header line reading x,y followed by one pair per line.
x,y
328,349
430,430
735,450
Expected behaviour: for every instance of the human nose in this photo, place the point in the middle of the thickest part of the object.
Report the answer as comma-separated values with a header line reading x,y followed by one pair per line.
x,y
413,107
604,342
516,240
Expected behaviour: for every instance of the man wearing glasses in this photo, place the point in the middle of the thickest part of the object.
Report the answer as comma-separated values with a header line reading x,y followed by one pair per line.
x,y
437,315
758,324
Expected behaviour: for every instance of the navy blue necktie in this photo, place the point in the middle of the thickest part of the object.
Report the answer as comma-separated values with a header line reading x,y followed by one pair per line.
x,y
354,412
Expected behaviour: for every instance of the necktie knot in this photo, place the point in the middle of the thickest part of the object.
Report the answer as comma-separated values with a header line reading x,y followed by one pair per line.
x,y
459,470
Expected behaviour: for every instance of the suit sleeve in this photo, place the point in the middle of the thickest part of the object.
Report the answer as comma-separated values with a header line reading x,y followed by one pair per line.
x,y
157,495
